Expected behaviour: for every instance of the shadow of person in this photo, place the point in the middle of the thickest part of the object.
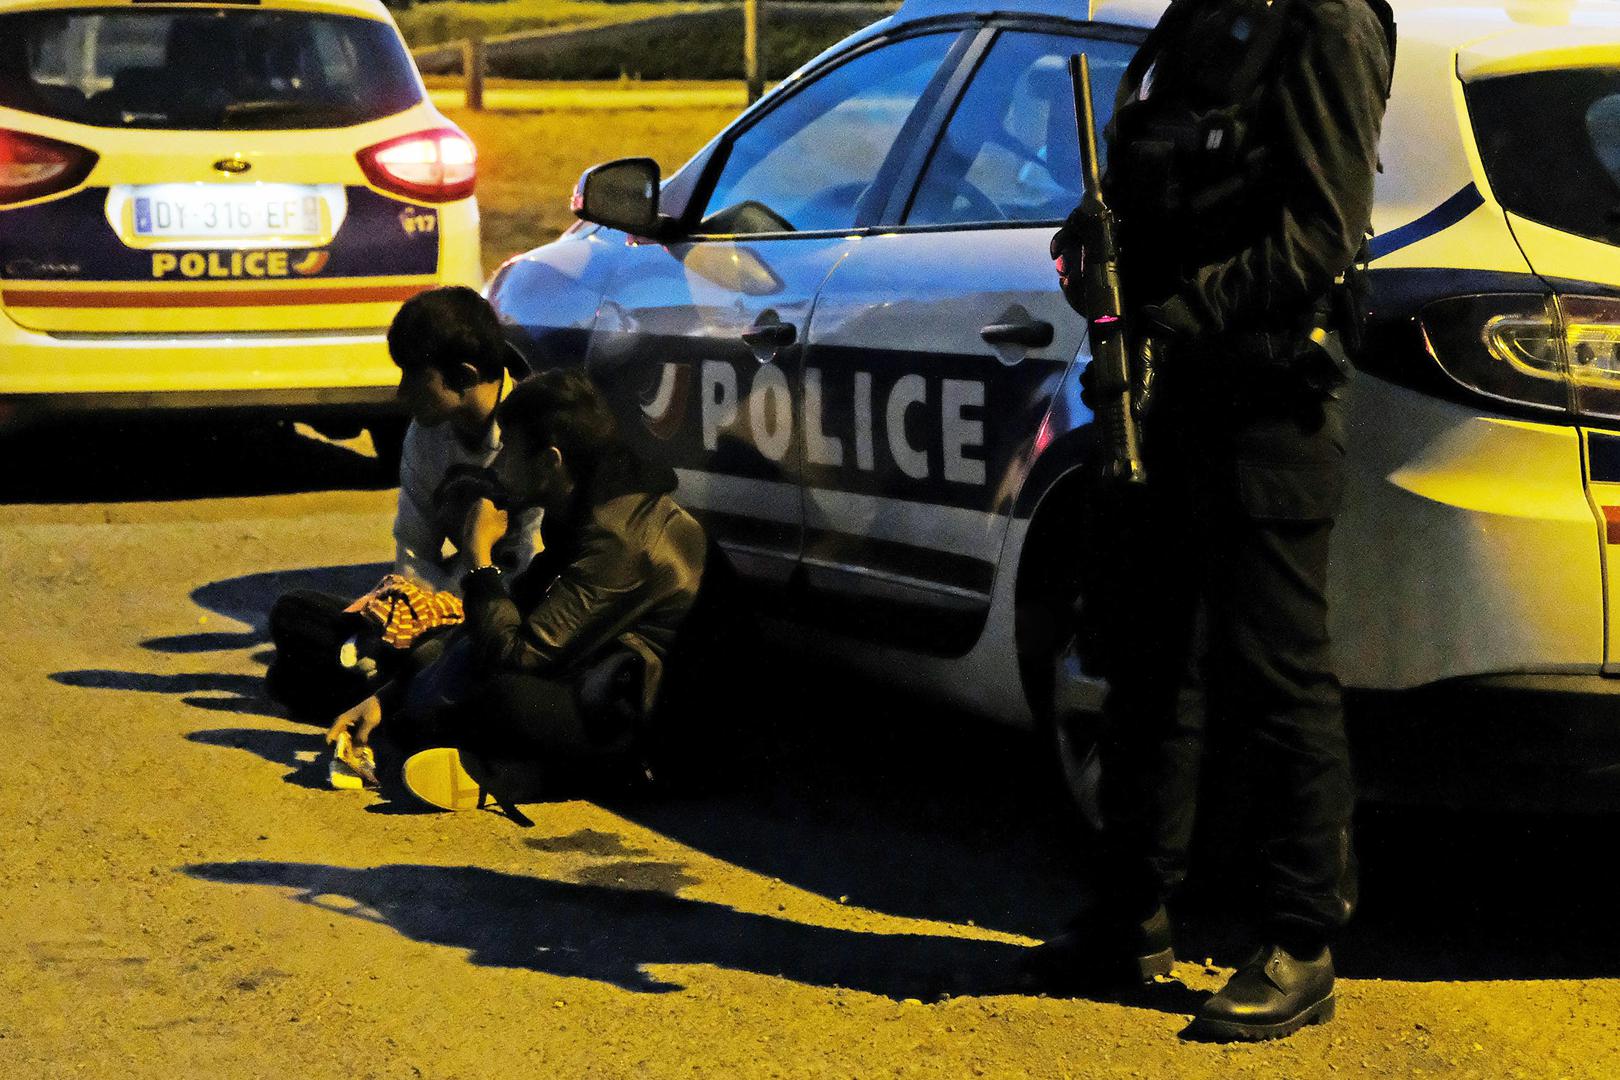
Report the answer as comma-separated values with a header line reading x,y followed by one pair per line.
x,y
300,751
887,803
213,691
249,598
246,600
1445,896
1457,896
614,935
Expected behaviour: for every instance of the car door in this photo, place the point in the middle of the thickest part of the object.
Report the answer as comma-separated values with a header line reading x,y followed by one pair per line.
x,y
935,349
698,338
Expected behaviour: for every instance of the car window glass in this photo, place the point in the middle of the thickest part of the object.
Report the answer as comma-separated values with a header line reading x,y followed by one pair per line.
x,y
805,165
171,69
1550,142
1010,151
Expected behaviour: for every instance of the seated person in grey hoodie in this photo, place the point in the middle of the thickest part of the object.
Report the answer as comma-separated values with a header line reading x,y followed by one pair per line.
x,y
456,366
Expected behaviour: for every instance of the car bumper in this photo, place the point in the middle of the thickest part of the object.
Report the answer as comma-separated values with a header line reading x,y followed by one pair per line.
x,y
1510,742
305,374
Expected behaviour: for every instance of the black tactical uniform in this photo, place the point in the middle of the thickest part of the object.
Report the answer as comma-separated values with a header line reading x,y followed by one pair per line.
x,y
1241,163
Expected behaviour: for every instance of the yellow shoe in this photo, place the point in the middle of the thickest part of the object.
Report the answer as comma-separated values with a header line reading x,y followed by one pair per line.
x,y
437,778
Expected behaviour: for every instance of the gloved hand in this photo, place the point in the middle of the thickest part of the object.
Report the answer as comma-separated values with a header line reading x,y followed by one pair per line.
x,y
1147,355
1170,320
1068,253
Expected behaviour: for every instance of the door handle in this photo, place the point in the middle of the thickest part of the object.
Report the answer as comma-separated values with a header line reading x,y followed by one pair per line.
x,y
1030,333
770,335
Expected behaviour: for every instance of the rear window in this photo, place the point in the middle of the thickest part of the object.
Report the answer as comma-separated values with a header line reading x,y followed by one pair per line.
x,y
203,70
1550,142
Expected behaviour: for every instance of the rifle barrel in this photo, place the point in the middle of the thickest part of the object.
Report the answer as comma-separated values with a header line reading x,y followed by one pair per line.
x,y
1085,120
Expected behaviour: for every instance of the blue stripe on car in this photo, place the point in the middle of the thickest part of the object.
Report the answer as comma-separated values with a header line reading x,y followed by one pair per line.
x,y
1439,219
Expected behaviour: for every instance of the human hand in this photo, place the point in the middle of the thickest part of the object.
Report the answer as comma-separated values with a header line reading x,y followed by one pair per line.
x,y
1068,252
358,722
482,527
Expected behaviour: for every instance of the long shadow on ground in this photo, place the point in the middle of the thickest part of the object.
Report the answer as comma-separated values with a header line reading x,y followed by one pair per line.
x,y
859,792
613,935
151,460
246,600
1462,896
855,791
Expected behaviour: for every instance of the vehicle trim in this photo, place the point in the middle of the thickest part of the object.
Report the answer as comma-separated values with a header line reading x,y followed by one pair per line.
x,y
225,337
895,578
1436,221
123,401
15,296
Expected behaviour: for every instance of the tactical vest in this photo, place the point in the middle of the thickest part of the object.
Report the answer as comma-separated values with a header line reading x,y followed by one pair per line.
x,y
1193,172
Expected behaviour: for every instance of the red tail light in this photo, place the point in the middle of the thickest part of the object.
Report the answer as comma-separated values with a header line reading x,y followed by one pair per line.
x,y
32,166
433,166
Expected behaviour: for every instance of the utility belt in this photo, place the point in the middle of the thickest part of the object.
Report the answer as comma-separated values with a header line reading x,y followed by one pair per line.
x,y
1315,359
1258,373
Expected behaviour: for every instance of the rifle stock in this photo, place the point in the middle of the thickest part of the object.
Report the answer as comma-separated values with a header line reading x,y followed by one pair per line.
x,y
1111,378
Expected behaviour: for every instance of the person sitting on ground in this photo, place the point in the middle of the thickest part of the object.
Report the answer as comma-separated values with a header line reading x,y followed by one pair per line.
x,y
580,659
456,366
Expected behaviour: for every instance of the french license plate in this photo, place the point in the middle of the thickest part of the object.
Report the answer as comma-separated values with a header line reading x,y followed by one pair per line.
x,y
195,212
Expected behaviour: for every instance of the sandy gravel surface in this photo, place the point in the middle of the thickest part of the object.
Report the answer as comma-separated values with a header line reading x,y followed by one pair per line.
x,y
182,897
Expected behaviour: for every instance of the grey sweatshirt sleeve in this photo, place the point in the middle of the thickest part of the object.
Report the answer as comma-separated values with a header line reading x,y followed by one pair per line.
x,y
418,545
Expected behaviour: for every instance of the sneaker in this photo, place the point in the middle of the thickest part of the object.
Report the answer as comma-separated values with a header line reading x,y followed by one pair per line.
x,y
438,778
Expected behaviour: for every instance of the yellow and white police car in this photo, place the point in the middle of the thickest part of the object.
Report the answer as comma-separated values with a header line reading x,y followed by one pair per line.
x,y
840,324
217,204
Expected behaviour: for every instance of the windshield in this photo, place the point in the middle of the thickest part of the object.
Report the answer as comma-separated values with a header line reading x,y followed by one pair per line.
x,y
203,69
1550,142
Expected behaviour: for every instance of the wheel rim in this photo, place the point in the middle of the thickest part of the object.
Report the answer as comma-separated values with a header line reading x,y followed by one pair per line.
x,y
1076,699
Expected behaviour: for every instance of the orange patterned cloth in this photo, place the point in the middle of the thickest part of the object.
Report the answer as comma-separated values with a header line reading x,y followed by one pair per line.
x,y
405,610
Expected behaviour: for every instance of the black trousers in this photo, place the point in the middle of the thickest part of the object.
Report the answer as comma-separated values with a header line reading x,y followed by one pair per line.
x,y
447,702
308,628
1204,603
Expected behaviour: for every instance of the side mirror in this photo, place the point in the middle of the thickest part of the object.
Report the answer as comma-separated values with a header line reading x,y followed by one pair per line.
x,y
622,195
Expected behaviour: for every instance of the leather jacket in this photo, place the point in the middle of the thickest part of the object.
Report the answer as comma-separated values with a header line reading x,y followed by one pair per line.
x,y
620,571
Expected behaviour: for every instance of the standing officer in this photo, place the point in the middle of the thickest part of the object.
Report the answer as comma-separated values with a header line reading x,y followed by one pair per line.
x,y
1241,163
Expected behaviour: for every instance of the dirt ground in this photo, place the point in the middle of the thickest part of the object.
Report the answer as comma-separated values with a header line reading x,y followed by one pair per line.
x,y
184,897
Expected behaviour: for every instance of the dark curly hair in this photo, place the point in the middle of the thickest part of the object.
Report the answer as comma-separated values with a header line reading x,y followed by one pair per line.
x,y
446,327
563,408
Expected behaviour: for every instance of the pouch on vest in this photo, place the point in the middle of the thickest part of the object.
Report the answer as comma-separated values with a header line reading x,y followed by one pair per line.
x,y
1301,491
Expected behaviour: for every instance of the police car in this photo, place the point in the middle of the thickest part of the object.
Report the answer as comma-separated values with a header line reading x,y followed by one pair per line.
x,y
840,324
217,204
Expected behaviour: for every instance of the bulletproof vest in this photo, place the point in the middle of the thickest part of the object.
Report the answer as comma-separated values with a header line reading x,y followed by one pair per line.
x,y
1189,143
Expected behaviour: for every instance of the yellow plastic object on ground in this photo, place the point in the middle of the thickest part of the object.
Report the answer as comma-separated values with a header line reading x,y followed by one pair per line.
x,y
352,767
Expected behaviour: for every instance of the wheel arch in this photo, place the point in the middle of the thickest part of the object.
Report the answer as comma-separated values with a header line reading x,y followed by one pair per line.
x,y
1052,500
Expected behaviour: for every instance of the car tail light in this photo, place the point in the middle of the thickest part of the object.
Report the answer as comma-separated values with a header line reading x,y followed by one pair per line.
x,y
434,166
1592,342
32,166
1553,353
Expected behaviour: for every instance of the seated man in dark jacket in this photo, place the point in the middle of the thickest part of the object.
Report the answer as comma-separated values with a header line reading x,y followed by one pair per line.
x,y
571,660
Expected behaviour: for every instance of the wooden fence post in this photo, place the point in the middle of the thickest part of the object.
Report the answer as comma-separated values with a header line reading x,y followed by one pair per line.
x,y
751,66
472,69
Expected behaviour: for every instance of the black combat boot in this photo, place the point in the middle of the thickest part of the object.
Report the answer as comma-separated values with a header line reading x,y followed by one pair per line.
x,y
1101,952
1273,995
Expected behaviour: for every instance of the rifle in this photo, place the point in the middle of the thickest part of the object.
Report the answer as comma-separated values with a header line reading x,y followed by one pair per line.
x,y
1112,378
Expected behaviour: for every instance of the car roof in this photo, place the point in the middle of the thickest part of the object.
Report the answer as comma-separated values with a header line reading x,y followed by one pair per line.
x,y
1516,25
371,9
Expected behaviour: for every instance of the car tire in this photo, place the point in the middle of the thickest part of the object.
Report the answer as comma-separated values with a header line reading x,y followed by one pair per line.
x,y
1060,696
1074,734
